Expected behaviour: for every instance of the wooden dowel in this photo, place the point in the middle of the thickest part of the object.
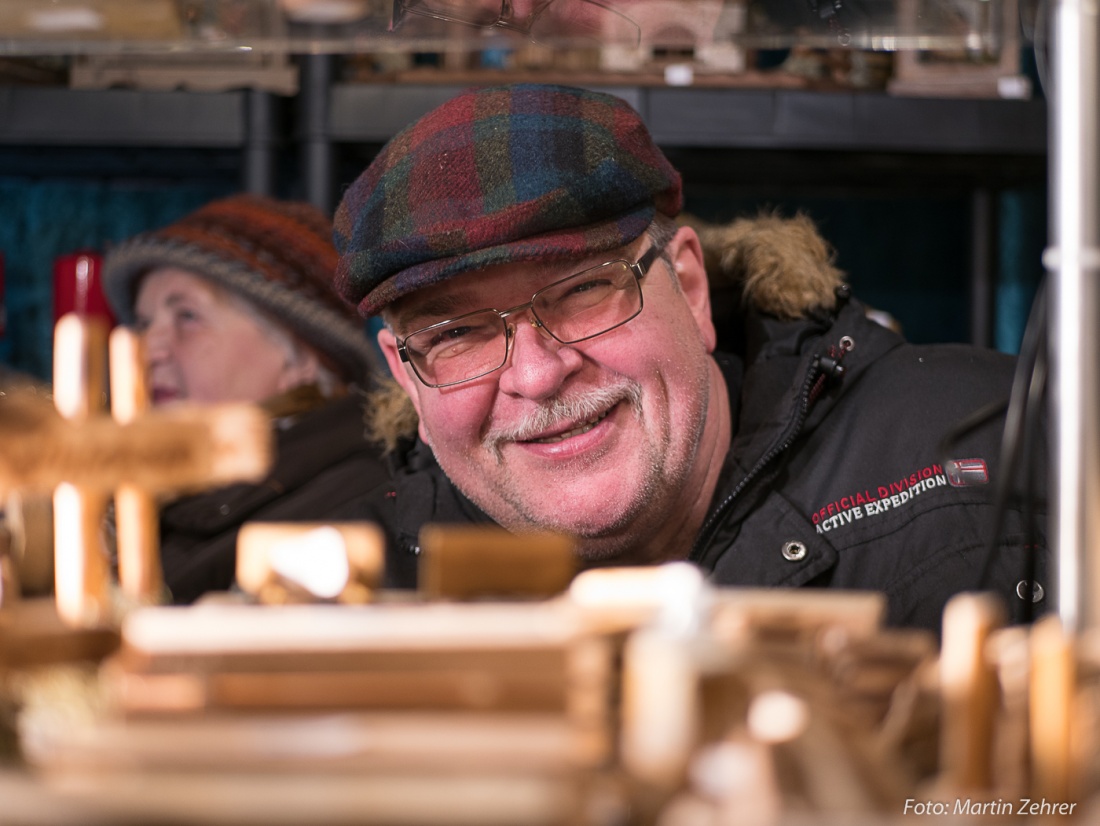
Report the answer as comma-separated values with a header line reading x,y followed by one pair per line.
x,y
136,528
81,572
1052,681
968,684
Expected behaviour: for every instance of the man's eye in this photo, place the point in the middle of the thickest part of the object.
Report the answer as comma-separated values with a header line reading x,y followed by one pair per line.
x,y
588,286
449,335
583,294
456,339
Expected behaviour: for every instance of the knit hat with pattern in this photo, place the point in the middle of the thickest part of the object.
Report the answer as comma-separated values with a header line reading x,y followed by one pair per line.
x,y
277,254
496,175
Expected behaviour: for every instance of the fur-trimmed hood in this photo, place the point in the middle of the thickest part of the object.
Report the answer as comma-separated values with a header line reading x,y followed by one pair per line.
x,y
777,266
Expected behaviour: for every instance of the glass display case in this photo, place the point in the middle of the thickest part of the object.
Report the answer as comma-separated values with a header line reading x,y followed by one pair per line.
x,y
944,28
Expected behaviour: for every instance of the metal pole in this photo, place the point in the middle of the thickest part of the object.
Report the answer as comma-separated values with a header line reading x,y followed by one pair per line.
x,y
983,266
1074,259
316,147
259,165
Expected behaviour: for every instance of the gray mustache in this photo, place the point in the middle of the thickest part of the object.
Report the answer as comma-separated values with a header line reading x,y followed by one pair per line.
x,y
572,410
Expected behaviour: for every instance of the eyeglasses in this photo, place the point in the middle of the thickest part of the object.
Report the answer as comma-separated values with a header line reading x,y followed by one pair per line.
x,y
582,306
548,20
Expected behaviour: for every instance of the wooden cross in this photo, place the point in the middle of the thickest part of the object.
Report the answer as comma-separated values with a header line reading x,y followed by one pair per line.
x,y
84,456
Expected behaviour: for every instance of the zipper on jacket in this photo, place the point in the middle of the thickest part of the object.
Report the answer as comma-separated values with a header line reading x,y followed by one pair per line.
x,y
807,395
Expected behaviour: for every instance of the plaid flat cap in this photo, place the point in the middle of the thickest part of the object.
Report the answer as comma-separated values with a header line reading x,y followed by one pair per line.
x,y
497,175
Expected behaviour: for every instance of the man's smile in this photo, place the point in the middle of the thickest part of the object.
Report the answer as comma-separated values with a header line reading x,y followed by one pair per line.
x,y
577,430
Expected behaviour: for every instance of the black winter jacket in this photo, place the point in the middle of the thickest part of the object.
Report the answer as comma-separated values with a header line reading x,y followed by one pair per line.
x,y
835,476
840,478
322,462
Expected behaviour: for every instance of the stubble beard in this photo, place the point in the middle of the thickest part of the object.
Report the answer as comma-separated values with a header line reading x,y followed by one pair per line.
x,y
608,541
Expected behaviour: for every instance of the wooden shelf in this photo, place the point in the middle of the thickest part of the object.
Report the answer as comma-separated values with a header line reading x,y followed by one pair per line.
x,y
750,118
122,117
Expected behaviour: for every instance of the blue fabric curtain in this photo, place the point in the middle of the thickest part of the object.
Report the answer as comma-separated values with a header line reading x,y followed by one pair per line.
x,y
910,255
1022,238
40,220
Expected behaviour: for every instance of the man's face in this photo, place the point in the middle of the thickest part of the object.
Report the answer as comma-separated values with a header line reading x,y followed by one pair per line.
x,y
598,439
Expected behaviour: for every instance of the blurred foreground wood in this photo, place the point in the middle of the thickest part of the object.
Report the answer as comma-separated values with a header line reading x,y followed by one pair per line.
x,y
637,696
640,696
80,457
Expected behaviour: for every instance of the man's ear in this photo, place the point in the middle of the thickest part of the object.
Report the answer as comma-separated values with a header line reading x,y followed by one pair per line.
x,y
402,375
686,253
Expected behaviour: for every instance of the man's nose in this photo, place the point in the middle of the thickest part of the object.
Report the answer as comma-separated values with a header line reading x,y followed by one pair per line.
x,y
537,363
521,10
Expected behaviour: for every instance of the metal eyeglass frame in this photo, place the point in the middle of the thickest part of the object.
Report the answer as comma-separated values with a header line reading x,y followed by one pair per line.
x,y
638,268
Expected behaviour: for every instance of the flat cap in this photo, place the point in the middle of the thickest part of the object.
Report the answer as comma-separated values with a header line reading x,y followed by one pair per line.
x,y
497,175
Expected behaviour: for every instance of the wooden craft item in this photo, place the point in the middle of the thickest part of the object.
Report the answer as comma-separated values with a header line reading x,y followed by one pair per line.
x,y
298,633
1053,679
165,451
969,692
448,796
279,562
537,658
661,715
81,570
473,561
622,599
1009,649
9,576
136,528
379,687
337,741
81,456
796,613
33,634
28,519
732,781
874,664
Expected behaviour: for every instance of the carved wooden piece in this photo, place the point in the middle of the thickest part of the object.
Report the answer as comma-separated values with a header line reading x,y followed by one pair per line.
x,y
1052,718
9,574
81,571
465,562
81,457
136,528
33,634
230,691
449,796
182,449
661,707
430,697
970,698
444,658
28,518
280,562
